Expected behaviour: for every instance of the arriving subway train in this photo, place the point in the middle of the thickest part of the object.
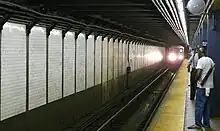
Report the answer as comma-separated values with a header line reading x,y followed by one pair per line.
x,y
175,56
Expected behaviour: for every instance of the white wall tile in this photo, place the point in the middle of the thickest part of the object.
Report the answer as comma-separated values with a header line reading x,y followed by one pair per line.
x,y
110,59
116,58
90,61
105,60
55,65
69,63
13,77
37,67
98,60
80,62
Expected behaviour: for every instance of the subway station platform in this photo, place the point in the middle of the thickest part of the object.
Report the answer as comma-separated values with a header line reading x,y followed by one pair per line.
x,y
176,112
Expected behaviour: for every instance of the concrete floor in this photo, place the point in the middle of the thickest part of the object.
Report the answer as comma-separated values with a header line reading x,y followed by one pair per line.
x,y
189,115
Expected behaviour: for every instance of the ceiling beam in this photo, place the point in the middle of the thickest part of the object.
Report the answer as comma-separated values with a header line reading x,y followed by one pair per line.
x,y
99,8
112,10
133,16
114,13
102,5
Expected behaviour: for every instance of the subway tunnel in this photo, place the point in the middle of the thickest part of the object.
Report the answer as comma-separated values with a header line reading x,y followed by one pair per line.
x,y
102,65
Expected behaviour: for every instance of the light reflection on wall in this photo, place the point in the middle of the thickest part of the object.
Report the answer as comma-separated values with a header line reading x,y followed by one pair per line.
x,y
151,57
154,57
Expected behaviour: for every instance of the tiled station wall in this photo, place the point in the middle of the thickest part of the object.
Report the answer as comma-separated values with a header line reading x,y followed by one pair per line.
x,y
85,64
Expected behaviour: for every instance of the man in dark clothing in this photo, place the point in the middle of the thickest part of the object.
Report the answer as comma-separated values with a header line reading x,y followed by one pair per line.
x,y
192,63
204,77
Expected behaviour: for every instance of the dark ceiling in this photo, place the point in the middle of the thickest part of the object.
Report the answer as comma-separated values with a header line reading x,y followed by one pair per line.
x,y
141,17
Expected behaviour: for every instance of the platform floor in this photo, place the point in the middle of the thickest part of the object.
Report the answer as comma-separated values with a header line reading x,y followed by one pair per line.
x,y
170,114
176,112
189,115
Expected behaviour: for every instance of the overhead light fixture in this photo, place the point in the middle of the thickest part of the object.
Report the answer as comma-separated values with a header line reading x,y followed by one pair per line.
x,y
174,22
181,11
178,19
175,16
196,7
209,3
162,9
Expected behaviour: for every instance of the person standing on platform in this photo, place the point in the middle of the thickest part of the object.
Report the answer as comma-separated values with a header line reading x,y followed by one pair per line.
x,y
204,77
192,63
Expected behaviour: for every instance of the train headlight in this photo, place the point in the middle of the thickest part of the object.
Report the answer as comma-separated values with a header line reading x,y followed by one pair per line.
x,y
172,57
180,57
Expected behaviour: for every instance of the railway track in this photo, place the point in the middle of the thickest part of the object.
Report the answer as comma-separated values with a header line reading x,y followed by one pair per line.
x,y
131,111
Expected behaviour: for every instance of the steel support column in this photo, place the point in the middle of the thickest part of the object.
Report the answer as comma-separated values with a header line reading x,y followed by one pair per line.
x,y
28,31
76,37
48,30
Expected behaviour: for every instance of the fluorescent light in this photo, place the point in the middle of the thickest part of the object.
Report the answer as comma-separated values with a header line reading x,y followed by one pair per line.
x,y
165,14
163,10
175,15
175,24
181,12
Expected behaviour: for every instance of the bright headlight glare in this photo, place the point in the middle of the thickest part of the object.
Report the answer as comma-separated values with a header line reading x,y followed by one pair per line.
x,y
180,57
172,57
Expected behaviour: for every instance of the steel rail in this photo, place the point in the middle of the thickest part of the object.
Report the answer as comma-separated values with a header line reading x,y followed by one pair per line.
x,y
134,98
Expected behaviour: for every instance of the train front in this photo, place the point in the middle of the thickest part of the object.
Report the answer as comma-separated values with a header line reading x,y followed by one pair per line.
x,y
175,57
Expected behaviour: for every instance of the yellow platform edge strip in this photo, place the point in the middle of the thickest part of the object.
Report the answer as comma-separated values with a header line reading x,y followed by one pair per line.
x,y
170,114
